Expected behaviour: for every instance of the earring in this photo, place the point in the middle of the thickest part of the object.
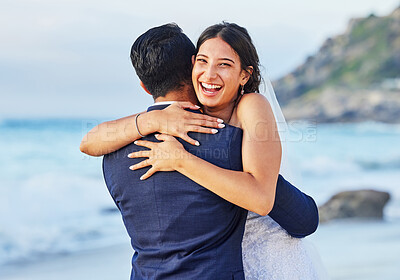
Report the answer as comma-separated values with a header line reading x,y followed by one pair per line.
x,y
242,91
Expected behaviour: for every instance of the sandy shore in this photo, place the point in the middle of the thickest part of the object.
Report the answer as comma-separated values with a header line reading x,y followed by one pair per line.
x,y
360,250
111,263
354,250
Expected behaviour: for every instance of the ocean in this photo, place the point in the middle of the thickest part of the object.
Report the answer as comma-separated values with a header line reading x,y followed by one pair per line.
x,y
53,199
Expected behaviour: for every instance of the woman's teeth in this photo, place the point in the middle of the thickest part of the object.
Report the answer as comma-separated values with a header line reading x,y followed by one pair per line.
x,y
210,87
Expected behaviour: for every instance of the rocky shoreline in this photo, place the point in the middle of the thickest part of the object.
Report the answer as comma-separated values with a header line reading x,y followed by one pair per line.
x,y
353,77
364,204
345,105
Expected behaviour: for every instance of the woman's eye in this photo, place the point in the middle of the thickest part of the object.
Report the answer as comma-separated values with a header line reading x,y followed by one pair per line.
x,y
201,60
225,64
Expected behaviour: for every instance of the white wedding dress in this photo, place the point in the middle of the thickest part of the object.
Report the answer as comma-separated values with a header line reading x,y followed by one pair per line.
x,y
270,253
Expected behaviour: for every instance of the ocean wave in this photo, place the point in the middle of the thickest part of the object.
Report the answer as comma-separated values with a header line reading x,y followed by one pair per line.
x,y
361,127
53,213
28,243
393,163
375,127
324,165
49,124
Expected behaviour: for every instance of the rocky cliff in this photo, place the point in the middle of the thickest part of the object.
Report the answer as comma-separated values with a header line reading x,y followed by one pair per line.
x,y
354,76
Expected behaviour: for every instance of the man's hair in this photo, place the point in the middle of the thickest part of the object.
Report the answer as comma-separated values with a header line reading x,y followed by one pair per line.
x,y
162,59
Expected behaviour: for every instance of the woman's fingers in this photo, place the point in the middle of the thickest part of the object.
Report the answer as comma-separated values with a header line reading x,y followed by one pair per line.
x,y
143,163
149,173
187,105
201,129
139,154
206,123
145,143
183,136
210,121
162,156
186,138
164,137
204,120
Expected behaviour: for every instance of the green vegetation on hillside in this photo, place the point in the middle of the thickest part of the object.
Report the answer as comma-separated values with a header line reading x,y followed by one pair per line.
x,y
366,55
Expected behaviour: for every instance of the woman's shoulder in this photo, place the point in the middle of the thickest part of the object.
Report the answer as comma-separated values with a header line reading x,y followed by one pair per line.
x,y
256,117
254,105
252,95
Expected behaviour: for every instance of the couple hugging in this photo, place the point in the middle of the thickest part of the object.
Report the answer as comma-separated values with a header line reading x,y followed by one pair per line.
x,y
200,193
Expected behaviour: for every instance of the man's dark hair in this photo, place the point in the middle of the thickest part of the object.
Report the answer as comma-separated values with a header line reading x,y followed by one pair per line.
x,y
162,59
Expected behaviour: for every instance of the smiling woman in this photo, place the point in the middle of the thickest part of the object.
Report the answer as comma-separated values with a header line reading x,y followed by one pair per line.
x,y
217,74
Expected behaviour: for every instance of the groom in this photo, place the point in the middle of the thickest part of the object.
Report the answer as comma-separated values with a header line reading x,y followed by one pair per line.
x,y
178,229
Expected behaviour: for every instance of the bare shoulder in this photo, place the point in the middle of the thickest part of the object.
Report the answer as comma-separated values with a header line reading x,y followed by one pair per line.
x,y
257,120
254,106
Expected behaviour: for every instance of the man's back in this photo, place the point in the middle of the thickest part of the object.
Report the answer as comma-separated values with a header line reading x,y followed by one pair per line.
x,y
179,229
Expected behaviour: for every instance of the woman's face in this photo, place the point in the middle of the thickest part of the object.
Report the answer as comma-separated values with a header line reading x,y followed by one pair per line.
x,y
217,73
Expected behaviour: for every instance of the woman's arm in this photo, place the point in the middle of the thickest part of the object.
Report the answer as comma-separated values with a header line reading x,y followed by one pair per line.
x,y
110,136
252,189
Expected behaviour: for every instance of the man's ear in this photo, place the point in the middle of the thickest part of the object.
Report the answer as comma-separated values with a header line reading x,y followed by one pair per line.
x,y
144,87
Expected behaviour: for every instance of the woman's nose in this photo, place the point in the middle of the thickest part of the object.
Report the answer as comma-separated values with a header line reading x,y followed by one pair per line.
x,y
210,72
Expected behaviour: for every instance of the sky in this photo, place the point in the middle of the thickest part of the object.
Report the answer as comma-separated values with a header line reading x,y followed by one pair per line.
x,y
70,58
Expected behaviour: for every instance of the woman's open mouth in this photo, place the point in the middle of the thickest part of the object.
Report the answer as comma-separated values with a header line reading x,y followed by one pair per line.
x,y
210,89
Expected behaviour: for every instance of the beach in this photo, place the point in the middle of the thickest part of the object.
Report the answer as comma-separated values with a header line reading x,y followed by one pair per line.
x,y
72,229
359,249
102,264
345,249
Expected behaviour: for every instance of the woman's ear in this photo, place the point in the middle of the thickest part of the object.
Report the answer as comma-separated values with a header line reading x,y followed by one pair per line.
x,y
193,57
249,70
246,74
145,88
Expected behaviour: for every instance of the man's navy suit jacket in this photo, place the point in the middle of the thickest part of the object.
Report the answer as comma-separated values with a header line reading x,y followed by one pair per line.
x,y
179,229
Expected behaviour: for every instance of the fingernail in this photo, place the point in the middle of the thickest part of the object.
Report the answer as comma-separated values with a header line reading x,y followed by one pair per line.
x,y
198,107
221,125
141,178
135,142
156,135
131,167
129,155
214,130
197,143
220,121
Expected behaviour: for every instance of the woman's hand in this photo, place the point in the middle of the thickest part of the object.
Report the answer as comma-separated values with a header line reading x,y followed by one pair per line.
x,y
162,156
176,121
110,136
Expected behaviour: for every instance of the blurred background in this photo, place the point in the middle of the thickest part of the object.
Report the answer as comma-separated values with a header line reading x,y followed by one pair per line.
x,y
65,67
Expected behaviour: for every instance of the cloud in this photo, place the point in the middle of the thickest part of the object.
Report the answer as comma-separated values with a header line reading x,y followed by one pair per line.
x,y
80,49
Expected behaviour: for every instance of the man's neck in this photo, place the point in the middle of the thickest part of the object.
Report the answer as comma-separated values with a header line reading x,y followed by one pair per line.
x,y
170,98
185,94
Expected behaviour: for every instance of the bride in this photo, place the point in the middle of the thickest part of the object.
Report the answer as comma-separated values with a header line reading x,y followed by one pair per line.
x,y
226,80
